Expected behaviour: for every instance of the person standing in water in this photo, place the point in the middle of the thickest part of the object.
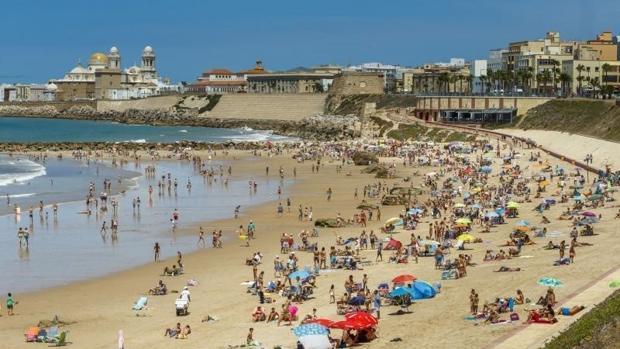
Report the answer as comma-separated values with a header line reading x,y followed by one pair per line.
x,y
201,238
156,250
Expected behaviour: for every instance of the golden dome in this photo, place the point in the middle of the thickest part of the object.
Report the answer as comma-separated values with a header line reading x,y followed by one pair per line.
x,y
98,58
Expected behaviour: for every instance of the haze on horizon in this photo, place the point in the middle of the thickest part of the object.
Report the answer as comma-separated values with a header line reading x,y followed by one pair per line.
x,y
44,39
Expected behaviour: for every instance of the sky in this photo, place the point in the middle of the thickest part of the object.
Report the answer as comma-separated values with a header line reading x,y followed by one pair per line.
x,y
43,39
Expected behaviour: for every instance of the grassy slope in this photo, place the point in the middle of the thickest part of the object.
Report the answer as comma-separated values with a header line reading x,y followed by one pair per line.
x,y
599,328
419,132
599,119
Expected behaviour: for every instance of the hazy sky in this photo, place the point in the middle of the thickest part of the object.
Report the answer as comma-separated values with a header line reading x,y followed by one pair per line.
x,y
42,39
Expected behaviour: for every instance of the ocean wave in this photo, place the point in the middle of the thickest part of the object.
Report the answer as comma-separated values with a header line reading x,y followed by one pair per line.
x,y
141,140
14,196
17,171
183,131
257,136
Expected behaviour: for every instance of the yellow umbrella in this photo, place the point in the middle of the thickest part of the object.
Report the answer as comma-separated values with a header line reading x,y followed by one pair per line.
x,y
459,205
512,204
522,228
465,221
466,237
393,220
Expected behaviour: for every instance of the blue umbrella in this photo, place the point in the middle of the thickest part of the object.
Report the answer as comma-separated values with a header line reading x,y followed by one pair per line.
x,y
301,273
550,282
523,223
491,214
486,169
309,330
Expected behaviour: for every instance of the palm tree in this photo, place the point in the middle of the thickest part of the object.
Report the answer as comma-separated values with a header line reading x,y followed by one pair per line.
x,y
580,68
443,80
460,78
527,75
483,80
565,79
595,83
470,83
606,68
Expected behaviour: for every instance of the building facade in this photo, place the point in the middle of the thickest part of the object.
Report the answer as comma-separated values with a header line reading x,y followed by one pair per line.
x,y
589,77
289,83
103,78
357,83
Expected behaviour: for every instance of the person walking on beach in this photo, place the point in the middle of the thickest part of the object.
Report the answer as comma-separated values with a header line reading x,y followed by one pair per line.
x,y
10,303
156,250
379,251
201,238
104,229
329,194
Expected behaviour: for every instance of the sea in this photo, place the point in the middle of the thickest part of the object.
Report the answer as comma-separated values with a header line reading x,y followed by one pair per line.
x,y
25,130
69,247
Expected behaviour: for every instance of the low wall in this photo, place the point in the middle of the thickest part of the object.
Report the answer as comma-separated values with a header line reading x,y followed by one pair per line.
x,y
151,103
428,107
58,105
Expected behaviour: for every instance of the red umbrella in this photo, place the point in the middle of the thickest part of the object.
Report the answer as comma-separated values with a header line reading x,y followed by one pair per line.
x,y
403,279
322,321
361,317
344,325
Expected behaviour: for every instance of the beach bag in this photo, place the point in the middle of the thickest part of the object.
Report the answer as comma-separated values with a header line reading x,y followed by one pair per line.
x,y
565,311
514,317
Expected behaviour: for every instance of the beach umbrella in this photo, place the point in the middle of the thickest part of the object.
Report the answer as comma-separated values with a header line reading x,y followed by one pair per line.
x,y
459,205
362,317
523,223
301,273
550,282
466,238
579,198
345,325
512,204
403,279
522,228
464,221
500,211
491,214
322,321
486,169
394,221
393,244
312,336
588,214
428,242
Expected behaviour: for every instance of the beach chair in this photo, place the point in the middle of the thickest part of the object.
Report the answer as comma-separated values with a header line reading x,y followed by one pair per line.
x,y
52,333
182,306
140,303
60,340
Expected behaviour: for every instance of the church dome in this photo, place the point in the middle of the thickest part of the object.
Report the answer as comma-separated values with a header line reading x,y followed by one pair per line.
x,y
147,50
51,87
114,50
98,58
79,70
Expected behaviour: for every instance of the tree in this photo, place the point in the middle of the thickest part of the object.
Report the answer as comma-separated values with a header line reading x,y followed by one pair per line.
x,y
444,79
606,68
460,78
470,83
580,68
483,80
565,80
595,83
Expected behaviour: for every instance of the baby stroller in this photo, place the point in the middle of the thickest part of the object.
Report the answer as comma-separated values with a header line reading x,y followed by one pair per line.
x,y
182,306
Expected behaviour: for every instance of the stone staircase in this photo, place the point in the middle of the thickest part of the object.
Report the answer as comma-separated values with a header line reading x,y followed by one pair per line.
x,y
268,106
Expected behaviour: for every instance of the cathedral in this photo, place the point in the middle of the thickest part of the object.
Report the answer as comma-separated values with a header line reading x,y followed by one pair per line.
x,y
104,78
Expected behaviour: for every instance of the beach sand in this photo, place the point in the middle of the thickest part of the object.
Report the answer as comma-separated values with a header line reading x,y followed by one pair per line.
x,y
99,308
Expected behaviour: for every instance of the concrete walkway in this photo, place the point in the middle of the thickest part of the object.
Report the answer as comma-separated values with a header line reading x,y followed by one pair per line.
x,y
536,335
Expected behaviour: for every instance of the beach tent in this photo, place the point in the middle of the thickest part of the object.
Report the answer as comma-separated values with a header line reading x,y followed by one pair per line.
x,y
423,290
393,244
401,291
312,336
362,317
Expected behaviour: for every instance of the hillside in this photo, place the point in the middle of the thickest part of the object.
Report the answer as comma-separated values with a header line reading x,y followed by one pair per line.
x,y
353,104
600,119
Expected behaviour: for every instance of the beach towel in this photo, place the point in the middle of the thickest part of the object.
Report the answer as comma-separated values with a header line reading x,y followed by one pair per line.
x,y
140,303
192,282
31,334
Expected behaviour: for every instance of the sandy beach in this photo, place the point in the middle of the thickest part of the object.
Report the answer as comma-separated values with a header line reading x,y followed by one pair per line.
x,y
97,309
